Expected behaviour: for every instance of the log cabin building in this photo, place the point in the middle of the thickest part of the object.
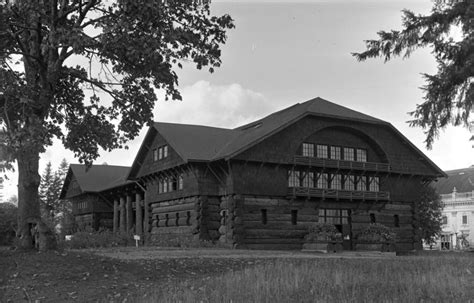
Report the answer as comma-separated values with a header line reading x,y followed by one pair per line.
x,y
262,185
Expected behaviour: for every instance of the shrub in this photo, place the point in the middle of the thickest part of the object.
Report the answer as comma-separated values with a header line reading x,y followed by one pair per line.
x,y
97,239
376,233
323,232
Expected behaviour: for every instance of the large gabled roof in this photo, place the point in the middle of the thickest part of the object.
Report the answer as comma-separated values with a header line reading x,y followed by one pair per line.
x,y
96,178
203,143
462,179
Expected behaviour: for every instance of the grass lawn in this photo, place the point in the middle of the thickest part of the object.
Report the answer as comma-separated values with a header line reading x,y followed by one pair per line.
x,y
213,275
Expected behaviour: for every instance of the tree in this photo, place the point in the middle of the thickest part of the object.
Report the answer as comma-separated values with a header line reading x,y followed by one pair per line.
x,y
87,72
448,95
429,214
49,191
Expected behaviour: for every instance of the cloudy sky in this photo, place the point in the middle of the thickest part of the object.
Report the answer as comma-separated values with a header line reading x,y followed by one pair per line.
x,y
282,53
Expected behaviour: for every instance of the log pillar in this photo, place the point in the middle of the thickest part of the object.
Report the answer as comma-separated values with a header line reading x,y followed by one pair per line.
x,y
123,227
116,215
146,215
138,213
129,213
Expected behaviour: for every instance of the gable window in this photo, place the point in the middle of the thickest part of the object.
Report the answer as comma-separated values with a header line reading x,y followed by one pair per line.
x,y
155,155
361,155
322,151
323,180
361,183
165,151
336,181
348,154
294,178
160,153
308,150
349,182
335,152
445,220
464,219
374,184
294,216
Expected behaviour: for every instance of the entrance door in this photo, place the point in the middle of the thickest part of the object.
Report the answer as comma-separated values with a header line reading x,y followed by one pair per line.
x,y
341,218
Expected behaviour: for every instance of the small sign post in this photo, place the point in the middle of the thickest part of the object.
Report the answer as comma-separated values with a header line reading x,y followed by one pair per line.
x,y
136,238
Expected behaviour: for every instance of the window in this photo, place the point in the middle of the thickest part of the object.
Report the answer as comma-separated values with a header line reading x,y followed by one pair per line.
x,y
464,219
294,179
160,153
361,155
160,187
322,151
294,216
374,184
157,221
334,216
165,151
335,152
177,219
323,180
372,218
336,182
166,219
308,150
308,180
173,184
188,218
155,155
349,182
362,183
348,154
396,221
165,186
445,220
180,182
264,216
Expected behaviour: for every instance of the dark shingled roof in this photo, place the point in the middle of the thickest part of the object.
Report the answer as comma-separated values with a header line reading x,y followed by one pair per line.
x,y
97,178
203,143
462,179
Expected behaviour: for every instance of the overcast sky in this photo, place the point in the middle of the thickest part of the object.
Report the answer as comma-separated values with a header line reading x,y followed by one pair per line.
x,y
280,54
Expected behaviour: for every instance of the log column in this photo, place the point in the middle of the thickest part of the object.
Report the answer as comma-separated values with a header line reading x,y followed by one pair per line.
x,y
123,227
138,213
146,219
129,213
116,215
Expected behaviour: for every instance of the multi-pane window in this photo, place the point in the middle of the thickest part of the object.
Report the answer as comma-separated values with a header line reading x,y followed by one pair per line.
x,y
349,182
335,152
348,154
374,184
445,220
155,155
334,216
165,151
361,155
160,153
170,184
165,186
321,151
180,182
294,179
322,180
308,180
336,181
308,150
464,219
361,183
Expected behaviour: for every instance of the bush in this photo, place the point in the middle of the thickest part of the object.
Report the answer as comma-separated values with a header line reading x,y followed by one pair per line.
x,y
8,223
376,233
323,232
97,239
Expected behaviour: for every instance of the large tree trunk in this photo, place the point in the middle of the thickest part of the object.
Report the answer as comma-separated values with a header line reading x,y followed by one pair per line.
x,y
29,218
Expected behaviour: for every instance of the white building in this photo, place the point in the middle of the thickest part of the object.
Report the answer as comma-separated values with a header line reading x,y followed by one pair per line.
x,y
457,193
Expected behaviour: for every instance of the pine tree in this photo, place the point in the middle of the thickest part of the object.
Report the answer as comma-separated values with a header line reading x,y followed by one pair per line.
x,y
449,95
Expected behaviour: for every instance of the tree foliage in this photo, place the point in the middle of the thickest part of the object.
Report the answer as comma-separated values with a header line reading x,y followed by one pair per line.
x,y
52,208
449,94
8,224
87,72
429,214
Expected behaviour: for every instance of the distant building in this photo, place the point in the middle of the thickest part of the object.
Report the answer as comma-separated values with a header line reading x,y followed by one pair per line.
x,y
261,185
457,193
